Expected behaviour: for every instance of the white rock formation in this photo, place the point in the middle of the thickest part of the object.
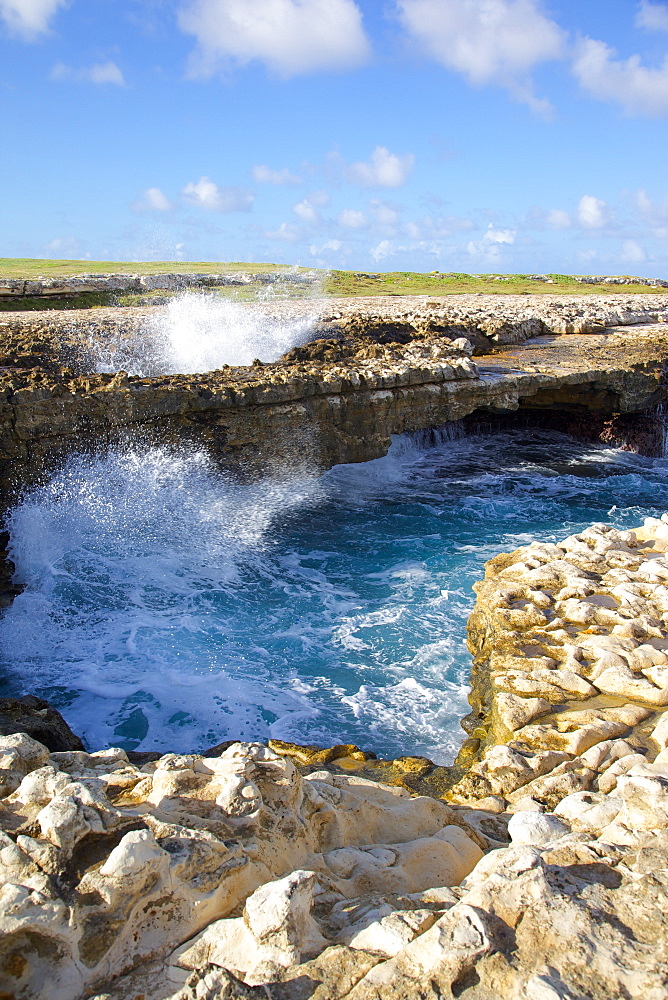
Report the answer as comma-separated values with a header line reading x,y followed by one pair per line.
x,y
194,878
106,865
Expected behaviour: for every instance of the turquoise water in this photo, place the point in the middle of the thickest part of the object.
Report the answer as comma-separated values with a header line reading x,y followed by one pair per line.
x,y
168,607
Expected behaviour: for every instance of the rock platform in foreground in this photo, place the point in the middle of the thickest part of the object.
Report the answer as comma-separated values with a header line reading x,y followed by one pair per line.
x,y
544,877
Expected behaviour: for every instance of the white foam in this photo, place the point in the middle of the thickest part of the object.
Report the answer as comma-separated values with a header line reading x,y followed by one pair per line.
x,y
168,606
202,332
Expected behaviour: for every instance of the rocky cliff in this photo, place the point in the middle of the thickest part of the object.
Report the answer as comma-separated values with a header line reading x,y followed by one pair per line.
x,y
374,369
541,875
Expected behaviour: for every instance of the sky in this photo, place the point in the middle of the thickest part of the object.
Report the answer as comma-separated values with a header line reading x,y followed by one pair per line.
x,y
375,135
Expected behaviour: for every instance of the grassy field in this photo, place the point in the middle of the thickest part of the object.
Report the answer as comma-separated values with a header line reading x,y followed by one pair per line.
x,y
435,283
38,268
333,283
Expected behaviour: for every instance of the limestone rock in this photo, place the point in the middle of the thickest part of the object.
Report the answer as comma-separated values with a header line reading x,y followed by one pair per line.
x,y
533,828
19,754
147,857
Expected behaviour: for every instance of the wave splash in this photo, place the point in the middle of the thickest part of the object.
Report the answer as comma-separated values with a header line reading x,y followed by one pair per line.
x,y
202,332
167,606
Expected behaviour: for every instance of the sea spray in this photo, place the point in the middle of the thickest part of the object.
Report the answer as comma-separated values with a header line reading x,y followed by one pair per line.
x,y
201,332
168,607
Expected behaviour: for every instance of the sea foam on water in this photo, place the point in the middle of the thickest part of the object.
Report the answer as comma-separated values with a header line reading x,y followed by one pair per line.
x,y
168,606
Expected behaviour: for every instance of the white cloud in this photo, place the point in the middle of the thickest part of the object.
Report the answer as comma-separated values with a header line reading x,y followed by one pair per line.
x,y
385,214
556,218
633,252
306,211
350,218
382,169
153,200
205,194
106,73
265,175
653,214
499,235
592,212
637,89
489,247
29,18
487,41
286,232
384,249
652,16
289,36
99,73
332,245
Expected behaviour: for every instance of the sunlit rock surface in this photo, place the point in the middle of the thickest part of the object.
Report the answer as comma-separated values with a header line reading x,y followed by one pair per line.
x,y
347,375
106,865
544,875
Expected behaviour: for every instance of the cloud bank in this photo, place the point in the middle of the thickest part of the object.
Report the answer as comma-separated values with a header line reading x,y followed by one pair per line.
x,y
290,37
487,41
29,18
637,89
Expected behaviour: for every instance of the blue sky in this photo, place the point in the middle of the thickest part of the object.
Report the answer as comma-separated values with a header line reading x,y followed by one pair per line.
x,y
451,135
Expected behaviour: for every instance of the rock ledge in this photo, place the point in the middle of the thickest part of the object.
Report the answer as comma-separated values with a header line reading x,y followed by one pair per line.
x,y
544,875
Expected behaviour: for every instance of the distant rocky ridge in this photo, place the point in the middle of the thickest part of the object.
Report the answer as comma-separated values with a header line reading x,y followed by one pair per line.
x,y
176,281
541,874
85,283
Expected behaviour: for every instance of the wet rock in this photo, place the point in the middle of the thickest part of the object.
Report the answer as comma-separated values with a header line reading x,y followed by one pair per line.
x,y
38,719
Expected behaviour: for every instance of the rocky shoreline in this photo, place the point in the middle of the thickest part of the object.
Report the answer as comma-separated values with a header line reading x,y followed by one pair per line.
x,y
535,868
373,368
82,284
542,873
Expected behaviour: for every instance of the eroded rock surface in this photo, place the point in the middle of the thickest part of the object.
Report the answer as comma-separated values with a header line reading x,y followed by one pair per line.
x,y
377,367
544,875
106,865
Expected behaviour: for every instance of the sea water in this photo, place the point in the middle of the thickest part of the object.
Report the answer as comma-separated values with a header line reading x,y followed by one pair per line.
x,y
169,607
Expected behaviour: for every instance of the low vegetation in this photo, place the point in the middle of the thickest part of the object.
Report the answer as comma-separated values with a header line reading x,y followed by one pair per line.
x,y
331,284
437,283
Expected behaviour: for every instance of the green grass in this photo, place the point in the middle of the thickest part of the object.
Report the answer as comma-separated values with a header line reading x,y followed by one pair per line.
x,y
37,268
334,283
349,283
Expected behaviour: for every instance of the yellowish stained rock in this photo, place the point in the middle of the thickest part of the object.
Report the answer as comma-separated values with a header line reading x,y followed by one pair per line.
x,y
543,877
